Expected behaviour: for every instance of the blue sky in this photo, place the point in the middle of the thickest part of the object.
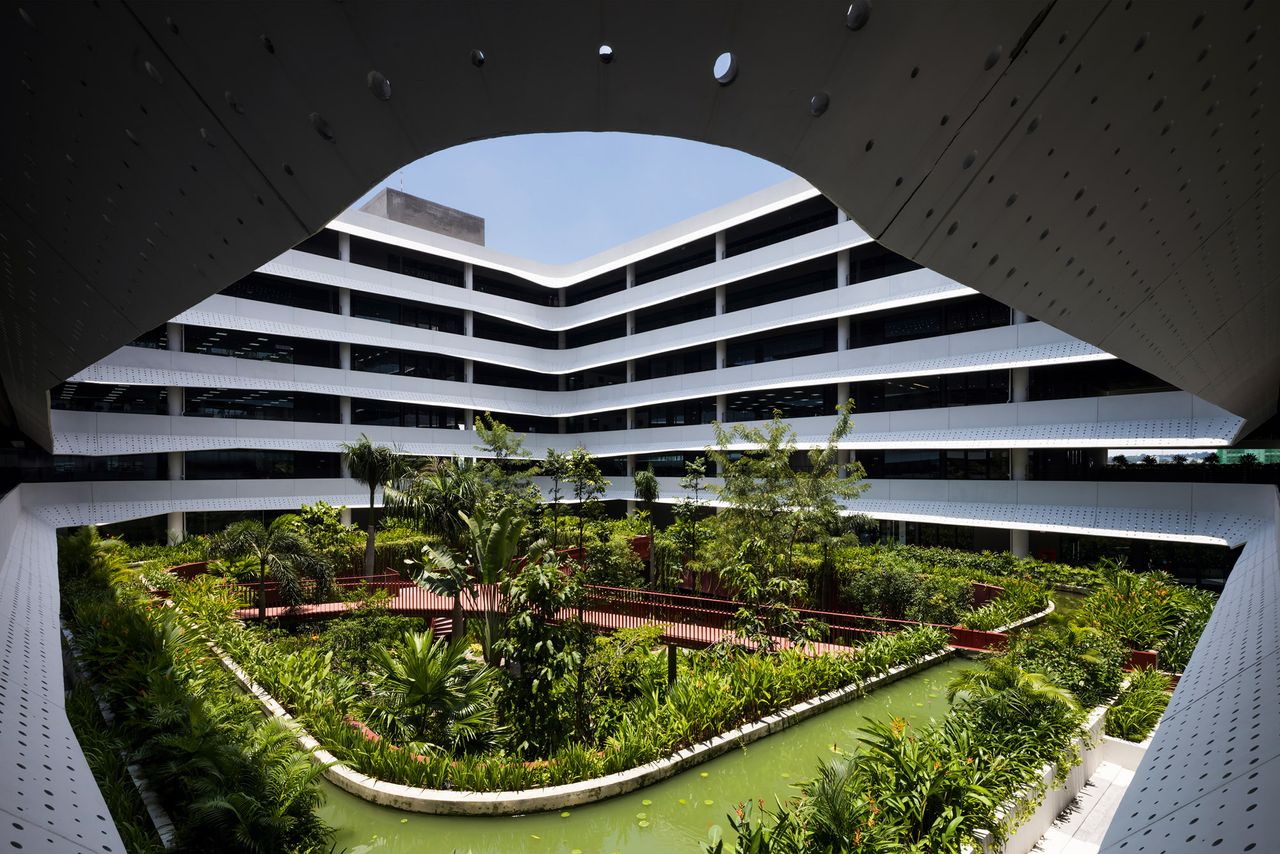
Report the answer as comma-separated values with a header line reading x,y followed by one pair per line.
x,y
560,197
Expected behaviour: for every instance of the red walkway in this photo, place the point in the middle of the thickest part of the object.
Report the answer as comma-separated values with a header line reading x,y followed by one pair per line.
x,y
689,621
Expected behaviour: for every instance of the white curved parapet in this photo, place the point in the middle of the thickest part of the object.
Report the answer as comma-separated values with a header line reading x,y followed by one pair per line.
x,y
904,289
1164,419
1209,778
49,799
1024,345
1215,514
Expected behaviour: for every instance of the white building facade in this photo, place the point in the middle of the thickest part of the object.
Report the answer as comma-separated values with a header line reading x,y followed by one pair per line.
x,y
969,415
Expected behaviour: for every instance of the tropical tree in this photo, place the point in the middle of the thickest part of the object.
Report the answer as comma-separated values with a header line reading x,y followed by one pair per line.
x,y
442,573
280,550
542,653
433,496
556,468
495,547
426,690
765,494
374,466
647,492
588,486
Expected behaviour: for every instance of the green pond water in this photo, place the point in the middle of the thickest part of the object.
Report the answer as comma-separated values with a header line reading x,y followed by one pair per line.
x,y
679,811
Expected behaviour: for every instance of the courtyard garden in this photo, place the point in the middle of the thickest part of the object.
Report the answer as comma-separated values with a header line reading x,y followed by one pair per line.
x,y
476,638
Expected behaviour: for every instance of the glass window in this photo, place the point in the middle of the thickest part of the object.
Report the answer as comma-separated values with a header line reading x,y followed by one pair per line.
x,y
801,218
261,405
93,397
386,360
261,348
272,289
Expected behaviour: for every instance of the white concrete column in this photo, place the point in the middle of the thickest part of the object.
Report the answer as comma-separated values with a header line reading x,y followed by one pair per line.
x,y
721,299
1020,543
345,515
1018,459
469,277
631,276
1019,378
631,370
841,216
720,245
902,532
469,418
842,268
344,247
176,521
722,407
842,333
722,354
631,419
173,343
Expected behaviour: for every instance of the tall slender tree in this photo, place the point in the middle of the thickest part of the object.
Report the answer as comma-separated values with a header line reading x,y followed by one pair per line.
x,y
556,468
647,493
588,487
374,466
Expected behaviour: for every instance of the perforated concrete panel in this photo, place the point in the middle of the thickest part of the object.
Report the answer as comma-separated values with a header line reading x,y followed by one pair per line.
x,y
49,800
1211,776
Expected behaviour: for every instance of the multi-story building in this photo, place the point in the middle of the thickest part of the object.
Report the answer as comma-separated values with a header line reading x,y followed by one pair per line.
x,y
397,322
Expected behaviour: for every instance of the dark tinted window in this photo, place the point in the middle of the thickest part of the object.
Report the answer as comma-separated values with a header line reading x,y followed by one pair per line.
x,y
802,218
693,254
93,397
261,405
262,348
387,360
406,313
262,288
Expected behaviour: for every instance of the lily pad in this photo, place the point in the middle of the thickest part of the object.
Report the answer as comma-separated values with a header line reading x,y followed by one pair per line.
x,y
643,824
703,774
564,814
404,821
708,802
646,802
682,802
642,815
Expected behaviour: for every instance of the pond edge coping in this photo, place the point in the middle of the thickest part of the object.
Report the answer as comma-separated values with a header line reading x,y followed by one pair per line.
x,y
548,798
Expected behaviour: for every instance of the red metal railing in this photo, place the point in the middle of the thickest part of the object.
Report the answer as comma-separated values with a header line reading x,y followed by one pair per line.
x,y
391,581
686,620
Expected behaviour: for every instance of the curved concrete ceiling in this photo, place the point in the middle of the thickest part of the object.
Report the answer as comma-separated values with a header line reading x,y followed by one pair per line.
x,y
1099,165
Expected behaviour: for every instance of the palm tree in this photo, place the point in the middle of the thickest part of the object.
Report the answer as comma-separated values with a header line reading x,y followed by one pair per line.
x,y
647,493
445,575
427,690
374,466
435,494
280,549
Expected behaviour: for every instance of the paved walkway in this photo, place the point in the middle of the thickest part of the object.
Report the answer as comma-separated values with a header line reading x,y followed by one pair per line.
x,y
1080,827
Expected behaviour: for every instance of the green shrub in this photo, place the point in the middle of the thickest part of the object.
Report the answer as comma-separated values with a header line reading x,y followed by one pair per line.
x,y
1140,707
1085,661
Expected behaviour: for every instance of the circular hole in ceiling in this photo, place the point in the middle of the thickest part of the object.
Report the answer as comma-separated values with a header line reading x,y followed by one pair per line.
x,y
725,68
